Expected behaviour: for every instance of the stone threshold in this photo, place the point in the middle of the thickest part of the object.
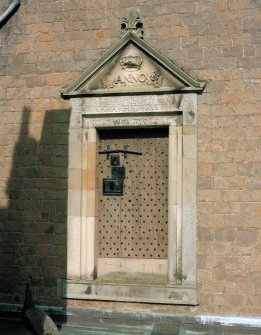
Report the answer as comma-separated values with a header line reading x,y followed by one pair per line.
x,y
129,292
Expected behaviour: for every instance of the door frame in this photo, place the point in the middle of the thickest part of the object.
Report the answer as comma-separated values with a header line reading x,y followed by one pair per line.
x,y
117,265
177,112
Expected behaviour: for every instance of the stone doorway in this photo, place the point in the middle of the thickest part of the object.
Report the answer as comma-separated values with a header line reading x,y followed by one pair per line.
x,y
132,227
132,86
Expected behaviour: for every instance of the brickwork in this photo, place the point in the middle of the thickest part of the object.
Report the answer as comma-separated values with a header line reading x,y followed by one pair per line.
x,y
44,46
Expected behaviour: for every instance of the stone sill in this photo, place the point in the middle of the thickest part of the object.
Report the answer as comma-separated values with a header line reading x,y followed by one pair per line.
x,y
161,294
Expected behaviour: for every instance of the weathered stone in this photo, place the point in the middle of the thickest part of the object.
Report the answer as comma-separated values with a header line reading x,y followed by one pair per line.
x,y
43,47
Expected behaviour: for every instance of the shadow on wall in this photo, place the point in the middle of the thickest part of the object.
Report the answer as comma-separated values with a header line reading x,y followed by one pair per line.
x,y
33,237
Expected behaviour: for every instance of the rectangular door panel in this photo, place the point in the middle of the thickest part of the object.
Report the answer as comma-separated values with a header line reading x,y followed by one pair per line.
x,y
134,224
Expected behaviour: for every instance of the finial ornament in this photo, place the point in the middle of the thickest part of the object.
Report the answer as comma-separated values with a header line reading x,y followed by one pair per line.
x,y
132,23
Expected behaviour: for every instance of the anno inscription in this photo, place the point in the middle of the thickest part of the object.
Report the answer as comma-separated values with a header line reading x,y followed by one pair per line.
x,y
132,73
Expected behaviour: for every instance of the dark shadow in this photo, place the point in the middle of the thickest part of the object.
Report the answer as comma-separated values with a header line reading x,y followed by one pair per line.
x,y
33,227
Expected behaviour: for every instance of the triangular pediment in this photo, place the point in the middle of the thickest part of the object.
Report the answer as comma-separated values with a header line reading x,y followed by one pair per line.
x,y
132,66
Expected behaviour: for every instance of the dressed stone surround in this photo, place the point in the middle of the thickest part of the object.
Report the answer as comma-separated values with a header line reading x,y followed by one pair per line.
x,y
178,113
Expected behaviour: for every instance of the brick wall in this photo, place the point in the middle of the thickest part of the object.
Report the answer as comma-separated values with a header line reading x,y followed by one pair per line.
x,y
43,47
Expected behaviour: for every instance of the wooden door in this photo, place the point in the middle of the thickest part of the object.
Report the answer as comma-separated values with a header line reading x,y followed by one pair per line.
x,y
134,224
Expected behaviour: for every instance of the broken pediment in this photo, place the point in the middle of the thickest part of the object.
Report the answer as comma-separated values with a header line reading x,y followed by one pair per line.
x,y
131,66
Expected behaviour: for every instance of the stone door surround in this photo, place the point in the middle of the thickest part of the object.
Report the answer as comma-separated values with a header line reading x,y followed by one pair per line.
x,y
178,113
133,85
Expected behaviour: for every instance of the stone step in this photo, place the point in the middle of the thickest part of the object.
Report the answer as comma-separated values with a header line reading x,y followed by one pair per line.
x,y
17,328
99,330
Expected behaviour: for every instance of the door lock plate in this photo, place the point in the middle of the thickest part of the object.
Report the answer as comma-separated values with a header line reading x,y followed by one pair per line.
x,y
114,159
113,186
118,171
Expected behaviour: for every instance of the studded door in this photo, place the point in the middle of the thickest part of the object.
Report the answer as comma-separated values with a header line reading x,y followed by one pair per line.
x,y
134,224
